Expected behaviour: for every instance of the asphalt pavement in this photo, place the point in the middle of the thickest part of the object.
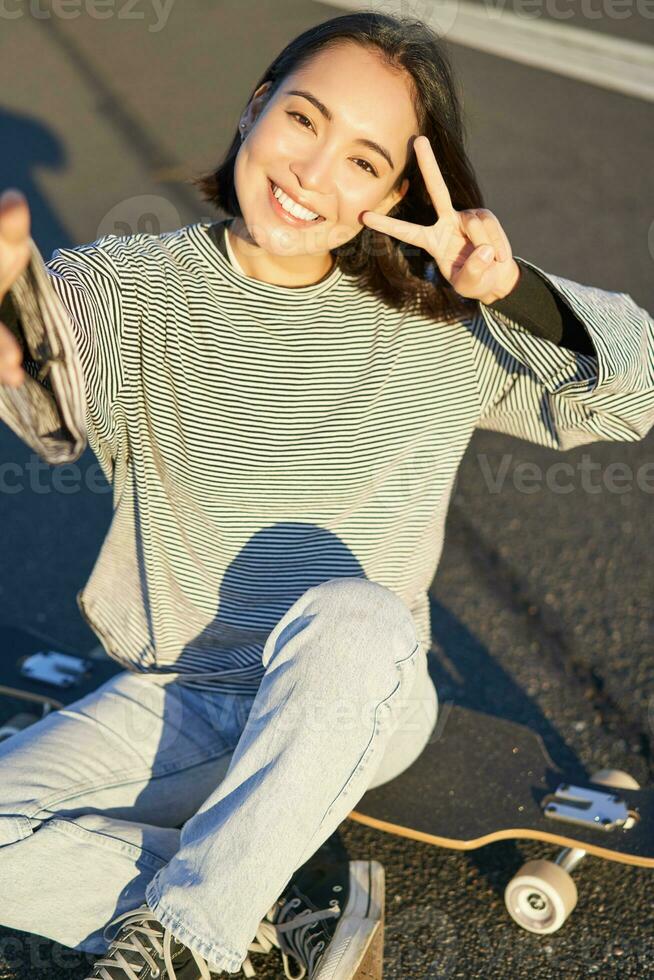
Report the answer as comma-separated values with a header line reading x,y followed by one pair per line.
x,y
543,603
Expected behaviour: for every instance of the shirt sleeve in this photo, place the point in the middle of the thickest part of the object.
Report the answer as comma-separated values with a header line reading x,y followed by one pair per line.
x,y
534,389
39,370
67,314
535,305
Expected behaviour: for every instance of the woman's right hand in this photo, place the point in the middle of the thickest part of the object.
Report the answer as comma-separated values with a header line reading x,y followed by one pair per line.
x,y
14,258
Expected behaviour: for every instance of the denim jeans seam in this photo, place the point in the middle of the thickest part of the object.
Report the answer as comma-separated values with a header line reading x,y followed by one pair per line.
x,y
364,758
129,776
99,838
399,663
22,824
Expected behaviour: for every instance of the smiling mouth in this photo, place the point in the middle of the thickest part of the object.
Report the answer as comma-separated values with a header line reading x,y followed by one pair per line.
x,y
308,221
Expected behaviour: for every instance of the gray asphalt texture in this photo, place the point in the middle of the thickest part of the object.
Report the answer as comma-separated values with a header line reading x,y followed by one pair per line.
x,y
543,603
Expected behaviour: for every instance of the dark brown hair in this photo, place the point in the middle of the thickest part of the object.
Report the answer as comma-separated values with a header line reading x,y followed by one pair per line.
x,y
404,276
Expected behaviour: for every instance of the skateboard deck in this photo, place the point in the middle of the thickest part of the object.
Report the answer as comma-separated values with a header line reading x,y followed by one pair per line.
x,y
483,779
39,675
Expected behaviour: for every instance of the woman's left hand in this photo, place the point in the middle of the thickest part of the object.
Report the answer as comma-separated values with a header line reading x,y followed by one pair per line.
x,y
457,241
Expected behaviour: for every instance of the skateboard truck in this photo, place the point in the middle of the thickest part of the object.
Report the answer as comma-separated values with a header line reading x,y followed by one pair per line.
x,y
36,671
541,896
586,807
52,667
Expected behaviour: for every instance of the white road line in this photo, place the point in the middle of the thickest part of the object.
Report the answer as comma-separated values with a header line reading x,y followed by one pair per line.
x,y
589,56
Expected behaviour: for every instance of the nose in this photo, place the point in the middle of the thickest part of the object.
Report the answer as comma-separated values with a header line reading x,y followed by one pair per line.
x,y
314,177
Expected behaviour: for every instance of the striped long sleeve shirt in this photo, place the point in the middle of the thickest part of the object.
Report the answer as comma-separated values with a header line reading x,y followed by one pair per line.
x,y
260,439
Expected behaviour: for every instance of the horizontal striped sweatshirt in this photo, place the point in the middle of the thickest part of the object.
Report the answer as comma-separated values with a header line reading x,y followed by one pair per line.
x,y
261,439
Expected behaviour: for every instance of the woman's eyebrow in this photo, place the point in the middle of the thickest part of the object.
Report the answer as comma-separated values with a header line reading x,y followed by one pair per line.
x,y
329,116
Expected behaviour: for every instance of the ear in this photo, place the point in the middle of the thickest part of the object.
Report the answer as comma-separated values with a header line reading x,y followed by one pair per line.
x,y
256,104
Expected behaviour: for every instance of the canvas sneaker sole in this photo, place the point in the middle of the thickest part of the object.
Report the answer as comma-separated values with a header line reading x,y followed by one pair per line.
x,y
357,950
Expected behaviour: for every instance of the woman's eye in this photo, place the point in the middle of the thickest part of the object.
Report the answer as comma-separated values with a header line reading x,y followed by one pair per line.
x,y
372,169
300,116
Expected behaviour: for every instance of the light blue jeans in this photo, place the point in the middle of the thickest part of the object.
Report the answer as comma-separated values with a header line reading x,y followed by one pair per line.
x,y
93,796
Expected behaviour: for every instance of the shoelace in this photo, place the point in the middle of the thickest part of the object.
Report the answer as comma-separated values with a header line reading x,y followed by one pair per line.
x,y
264,940
132,943
268,934
301,923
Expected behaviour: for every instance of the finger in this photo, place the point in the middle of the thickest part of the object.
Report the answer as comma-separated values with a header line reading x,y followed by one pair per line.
x,y
469,279
11,356
434,181
13,377
495,234
12,269
406,231
10,352
504,245
476,230
14,215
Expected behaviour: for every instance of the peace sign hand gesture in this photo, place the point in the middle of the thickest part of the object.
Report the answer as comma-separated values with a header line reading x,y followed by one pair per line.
x,y
458,239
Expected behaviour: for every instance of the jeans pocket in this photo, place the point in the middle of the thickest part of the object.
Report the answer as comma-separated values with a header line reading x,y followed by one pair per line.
x,y
14,827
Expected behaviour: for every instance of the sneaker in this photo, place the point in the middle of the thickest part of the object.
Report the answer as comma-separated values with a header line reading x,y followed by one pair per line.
x,y
143,942
330,921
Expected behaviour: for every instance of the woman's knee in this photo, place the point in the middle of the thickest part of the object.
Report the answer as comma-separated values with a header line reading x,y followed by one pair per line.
x,y
366,610
344,628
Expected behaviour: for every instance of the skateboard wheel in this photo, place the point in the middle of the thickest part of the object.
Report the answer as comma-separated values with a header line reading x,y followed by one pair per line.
x,y
541,896
17,724
615,777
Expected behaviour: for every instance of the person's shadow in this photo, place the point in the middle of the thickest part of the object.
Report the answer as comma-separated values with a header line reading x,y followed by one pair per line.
x,y
29,146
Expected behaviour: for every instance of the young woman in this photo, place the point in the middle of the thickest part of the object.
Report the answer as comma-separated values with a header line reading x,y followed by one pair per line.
x,y
281,400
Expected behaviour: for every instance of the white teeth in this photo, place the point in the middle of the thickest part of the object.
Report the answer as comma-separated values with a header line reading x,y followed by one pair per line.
x,y
292,207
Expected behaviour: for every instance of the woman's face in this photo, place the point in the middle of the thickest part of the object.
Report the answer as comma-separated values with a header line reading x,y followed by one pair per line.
x,y
321,163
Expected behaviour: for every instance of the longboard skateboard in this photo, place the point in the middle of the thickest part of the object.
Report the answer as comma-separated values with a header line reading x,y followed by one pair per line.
x,y
483,779
39,675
